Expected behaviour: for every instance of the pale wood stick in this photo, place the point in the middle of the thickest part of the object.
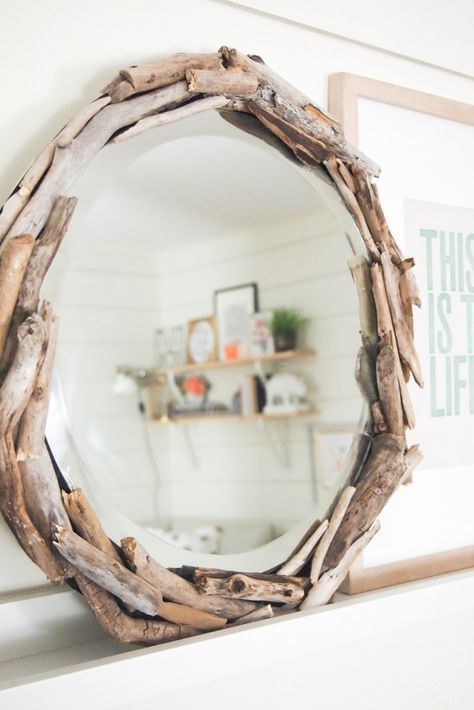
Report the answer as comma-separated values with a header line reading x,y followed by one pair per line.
x,y
31,431
107,572
263,612
331,580
120,91
412,458
18,384
334,523
299,559
87,524
383,471
290,590
123,627
347,176
145,77
161,119
14,395
15,203
360,271
68,163
389,390
406,346
13,264
375,220
43,495
385,327
380,423
235,83
176,588
365,375
82,118
44,251
353,207
13,507
187,616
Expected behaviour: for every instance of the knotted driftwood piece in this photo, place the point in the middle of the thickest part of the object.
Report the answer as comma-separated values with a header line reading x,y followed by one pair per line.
x,y
134,598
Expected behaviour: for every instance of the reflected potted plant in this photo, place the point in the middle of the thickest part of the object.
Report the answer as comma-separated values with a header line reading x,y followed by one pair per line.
x,y
286,324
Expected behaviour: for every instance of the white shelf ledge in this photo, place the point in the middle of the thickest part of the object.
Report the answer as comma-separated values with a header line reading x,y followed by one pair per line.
x,y
63,654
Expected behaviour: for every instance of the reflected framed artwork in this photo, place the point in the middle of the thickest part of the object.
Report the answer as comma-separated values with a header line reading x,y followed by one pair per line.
x,y
233,309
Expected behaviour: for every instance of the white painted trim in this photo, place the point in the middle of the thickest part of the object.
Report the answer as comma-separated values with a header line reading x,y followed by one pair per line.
x,y
136,675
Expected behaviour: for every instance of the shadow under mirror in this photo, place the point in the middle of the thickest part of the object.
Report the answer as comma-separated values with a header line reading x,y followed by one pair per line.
x,y
208,337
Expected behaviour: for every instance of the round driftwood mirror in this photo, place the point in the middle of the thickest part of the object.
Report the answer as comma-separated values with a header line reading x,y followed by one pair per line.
x,y
130,590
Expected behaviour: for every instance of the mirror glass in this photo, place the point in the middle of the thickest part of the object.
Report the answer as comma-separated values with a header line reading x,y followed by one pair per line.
x,y
208,336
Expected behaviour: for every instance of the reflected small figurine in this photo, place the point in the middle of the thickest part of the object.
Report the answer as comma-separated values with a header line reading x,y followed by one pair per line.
x,y
286,394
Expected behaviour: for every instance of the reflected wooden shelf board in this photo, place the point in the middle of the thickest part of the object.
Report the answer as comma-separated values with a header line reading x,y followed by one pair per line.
x,y
226,416
237,362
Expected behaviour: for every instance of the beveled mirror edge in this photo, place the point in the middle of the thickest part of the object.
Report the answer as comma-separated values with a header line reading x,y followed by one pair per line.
x,y
231,81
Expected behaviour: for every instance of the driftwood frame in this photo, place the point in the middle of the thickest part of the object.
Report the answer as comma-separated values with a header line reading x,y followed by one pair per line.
x,y
133,597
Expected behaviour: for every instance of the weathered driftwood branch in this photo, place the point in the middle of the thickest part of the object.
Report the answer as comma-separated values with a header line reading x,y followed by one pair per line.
x,y
334,524
123,627
107,572
387,335
176,588
383,471
31,431
360,270
301,556
389,391
13,263
145,77
403,335
322,592
41,490
412,458
161,119
276,589
353,207
87,524
44,251
263,612
14,394
206,81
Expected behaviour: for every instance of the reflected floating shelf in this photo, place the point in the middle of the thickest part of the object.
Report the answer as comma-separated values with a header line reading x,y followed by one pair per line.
x,y
166,421
237,362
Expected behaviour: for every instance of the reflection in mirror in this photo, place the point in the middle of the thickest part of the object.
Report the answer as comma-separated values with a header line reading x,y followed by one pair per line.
x,y
208,337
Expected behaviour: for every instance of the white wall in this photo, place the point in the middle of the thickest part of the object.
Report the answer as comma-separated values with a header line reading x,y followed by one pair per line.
x,y
239,475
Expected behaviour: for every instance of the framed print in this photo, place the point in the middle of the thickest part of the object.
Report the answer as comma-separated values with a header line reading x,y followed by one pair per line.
x,y
233,308
330,447
201,340
261,338
425,146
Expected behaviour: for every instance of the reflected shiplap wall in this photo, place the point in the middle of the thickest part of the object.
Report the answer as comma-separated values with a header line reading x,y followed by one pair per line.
x,y
109,311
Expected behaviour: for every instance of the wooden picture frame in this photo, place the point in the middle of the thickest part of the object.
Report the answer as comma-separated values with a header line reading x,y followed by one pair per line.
x,y
133,597
207,329
344,92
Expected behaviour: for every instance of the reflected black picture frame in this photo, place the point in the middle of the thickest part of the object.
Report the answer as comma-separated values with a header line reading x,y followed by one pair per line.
x,y
249,294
